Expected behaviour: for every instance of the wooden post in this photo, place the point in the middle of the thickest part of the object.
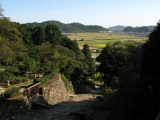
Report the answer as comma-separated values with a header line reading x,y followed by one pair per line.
x,y
8,84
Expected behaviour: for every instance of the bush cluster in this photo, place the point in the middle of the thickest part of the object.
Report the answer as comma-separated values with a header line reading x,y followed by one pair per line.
x,y
11,92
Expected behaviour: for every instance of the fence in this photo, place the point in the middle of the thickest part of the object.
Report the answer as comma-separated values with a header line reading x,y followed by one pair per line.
x,y
33,90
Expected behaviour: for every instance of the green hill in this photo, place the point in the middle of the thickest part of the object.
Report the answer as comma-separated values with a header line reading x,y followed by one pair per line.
x,y
132,29
70,28
117,28
136,29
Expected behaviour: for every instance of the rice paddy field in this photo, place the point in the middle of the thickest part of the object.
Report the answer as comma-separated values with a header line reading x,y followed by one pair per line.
x,y
99,40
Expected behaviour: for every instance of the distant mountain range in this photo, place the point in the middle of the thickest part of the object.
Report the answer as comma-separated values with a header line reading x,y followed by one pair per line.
x,y
70,28
131,29
78,27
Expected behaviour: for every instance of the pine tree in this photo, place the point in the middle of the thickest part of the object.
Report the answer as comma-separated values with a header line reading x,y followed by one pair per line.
x,y
89,61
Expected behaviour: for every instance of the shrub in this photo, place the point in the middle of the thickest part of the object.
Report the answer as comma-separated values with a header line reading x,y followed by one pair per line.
x,y
98,51
11,92
82,40
108,90
31,75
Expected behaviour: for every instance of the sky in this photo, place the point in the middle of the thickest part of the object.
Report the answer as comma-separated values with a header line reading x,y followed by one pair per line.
x,y
105,13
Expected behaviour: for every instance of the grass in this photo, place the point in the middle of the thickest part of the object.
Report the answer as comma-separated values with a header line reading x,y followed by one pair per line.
x,y
67,83
99,40
47,77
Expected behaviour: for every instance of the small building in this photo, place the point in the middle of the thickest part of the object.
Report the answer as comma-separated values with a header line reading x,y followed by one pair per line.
x,y
94,51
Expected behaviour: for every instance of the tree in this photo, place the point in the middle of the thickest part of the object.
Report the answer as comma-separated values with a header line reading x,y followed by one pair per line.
x,y
38,35
111,58
86,51
9,30
72,45
89,61
114,58
26,34
57,57
150,69
53,34
119,64
12,49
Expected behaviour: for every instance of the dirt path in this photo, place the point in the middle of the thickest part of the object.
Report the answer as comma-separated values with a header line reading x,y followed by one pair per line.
x,y
76,109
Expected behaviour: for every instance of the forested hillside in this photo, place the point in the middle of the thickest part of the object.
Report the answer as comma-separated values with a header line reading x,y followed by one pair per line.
x,y
41,50
69,28
136,29
131,29
129,72
117,28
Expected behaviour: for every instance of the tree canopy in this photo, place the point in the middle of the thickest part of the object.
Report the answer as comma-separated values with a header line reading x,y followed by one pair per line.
x,y
150,68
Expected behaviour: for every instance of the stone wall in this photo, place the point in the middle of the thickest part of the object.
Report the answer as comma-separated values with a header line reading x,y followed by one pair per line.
x,y
54,91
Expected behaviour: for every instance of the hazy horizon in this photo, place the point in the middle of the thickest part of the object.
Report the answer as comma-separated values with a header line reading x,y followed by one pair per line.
x,y
104,13
93,24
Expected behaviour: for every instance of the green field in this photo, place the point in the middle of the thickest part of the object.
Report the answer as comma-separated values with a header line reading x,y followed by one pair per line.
x,y
99,40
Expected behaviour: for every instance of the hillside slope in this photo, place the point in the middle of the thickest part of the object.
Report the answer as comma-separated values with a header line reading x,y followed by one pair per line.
x,y
131,29
70,28
117,28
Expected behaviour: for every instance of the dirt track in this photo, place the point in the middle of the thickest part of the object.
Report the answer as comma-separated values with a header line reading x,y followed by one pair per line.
x,y
76,109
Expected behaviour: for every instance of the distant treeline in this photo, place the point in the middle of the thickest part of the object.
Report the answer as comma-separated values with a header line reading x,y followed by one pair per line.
x,y
131,29
136,29
69,28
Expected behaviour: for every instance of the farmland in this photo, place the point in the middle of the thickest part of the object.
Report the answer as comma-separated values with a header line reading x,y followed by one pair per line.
x,y
99,40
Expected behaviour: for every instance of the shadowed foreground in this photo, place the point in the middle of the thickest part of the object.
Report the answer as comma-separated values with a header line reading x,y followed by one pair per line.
x,y
78,108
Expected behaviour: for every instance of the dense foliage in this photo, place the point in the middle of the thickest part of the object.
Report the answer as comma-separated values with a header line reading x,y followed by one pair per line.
x,y
131,74
40,50
12,50
150,70
114,59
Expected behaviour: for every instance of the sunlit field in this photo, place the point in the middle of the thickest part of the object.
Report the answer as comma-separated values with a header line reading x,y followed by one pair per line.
x,y
99,40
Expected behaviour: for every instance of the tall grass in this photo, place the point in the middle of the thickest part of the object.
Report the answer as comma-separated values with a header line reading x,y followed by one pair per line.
x,y
47,77
67,83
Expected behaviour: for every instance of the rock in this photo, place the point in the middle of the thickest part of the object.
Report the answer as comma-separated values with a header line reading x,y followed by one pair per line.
x,y
21,91
54,91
